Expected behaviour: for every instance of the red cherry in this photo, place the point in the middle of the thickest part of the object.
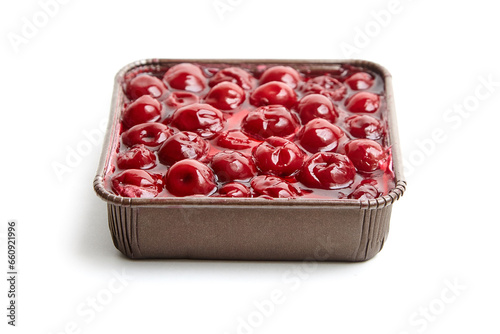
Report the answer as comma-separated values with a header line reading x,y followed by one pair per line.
x,y
365,190
225,96
316,106
274,186
285,74
200,118
235,139
267,121
366,155
234,189
233,165
185,77
278,156
235,75
327,171
326,85
143,110
363,102
149,134
364,126
180,99
136,183
145,84
183,145
137,157
359,81
319,135
273,93
190,177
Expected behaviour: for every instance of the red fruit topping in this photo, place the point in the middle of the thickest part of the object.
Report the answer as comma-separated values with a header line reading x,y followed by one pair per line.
x,y
363,102
225,96
185,77
328,171
278,156
366,155
200,118
190,177
359,81
183,145
273,93
319,135
364,126
136,183
233,165
316,106
137,157
180,99
326,85
274,186
236,140
149,134
267,121
365,190
145,84
284,74
234,189
143,110
235,75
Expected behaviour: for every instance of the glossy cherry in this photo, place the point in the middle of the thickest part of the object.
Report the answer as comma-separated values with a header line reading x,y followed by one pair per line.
x,y
364,126
137,157
225,96
190,177
365,190
233,165
278,156
183,145
149,134
326,85
143,110
360,81
145,84
180,99
235,75
274,186
273,93
185,76
234,189
363,102
327,171
236,140
201,118
285,74
319,135
316,106
366,155
268,121
136,183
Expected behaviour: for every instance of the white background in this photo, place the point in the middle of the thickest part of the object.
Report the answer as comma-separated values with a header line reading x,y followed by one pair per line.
x,y
56,85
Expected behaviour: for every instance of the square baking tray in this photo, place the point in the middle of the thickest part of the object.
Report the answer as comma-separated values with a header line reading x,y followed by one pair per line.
x,y
248,228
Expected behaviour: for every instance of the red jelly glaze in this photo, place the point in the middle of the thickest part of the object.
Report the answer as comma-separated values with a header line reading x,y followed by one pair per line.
x,y
149,134
136,183
278,156
201,118
232,166
236,140
316,106
274,186
319,135
235,75
185,76
285,74
143,110
328,171
145,84
365,190
225,96
273,93
268,121
364,126
181,99
137,157
326,85
363,102
190,177
234,189
366,155
183,145
360,81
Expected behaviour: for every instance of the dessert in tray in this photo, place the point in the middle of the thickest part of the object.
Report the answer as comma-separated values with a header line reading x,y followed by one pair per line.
x,y
267,131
